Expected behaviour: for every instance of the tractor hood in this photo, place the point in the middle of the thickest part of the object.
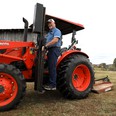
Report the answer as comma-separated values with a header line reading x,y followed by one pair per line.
x,y
65,26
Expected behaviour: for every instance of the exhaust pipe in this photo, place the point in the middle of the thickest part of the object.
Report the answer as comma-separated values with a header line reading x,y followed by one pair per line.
x,y
25,29
25,34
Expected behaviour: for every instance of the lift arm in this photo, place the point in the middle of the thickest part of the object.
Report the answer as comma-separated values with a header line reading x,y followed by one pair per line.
x,y
38,27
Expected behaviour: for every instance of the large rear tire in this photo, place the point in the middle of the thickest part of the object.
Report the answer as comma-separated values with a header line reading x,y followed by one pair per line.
x,y
75,77
12,87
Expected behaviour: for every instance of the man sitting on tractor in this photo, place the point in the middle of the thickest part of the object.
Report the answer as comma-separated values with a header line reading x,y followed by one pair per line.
x,y
53,44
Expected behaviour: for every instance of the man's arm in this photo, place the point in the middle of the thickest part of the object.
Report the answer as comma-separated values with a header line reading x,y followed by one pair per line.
x,y
57,36
52,42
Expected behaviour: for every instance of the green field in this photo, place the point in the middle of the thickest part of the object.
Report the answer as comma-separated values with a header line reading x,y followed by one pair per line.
x,y
53,104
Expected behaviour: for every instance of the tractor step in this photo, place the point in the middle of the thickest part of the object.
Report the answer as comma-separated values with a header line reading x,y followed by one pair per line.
x,y
102,85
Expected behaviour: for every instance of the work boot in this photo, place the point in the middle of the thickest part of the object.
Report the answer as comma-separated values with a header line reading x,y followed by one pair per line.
x,y
49,88
41,92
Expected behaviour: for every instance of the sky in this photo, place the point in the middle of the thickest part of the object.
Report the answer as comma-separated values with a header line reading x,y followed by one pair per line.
x,y
98,17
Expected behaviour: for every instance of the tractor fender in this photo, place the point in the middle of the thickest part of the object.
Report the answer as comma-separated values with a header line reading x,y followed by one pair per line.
x,y
70,52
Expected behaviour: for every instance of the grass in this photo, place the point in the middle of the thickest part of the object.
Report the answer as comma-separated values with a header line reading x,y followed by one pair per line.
x,y
52,103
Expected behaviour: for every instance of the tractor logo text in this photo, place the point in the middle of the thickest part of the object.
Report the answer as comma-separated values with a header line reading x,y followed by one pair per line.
x,y
4,44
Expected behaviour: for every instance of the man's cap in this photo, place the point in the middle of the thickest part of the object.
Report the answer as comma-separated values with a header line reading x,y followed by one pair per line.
x,y
50,20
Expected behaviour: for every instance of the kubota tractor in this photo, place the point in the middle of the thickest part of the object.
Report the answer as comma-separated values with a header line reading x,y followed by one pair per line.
x,y
22,62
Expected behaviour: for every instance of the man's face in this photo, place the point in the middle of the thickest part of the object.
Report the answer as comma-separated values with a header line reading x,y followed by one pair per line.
x,y
51,25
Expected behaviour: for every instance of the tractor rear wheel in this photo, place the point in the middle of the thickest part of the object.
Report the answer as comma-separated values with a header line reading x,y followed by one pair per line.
x,y
75,77
12,87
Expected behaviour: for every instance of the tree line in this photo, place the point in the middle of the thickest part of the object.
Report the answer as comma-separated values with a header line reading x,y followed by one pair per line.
x,y
109,67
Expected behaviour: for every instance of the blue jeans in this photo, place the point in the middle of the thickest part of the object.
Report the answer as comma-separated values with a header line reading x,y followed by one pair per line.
x,y
53,54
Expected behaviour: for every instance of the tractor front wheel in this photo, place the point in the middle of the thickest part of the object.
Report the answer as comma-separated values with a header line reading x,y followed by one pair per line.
x,y
12,87
75,77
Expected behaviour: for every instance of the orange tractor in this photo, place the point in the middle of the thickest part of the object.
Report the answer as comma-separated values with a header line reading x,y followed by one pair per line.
x,y
22,62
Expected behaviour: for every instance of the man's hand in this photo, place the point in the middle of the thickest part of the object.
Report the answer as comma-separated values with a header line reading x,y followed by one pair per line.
x,y
43,48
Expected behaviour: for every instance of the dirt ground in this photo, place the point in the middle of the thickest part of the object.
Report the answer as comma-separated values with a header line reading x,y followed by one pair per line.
x,y
53,104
